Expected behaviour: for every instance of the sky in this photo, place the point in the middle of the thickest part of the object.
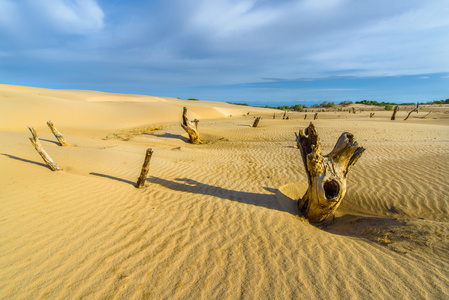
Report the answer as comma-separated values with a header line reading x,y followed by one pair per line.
x,y
261,52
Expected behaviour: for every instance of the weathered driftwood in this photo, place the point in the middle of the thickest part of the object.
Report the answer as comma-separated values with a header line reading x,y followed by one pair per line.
x,y
327,174
256,121
305,116
38,146
57,134
315,116
191,129
426,115
410,112
371,115
145,167
396,108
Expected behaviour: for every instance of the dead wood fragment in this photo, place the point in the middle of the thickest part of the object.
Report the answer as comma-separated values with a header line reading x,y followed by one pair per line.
x,y
315,116
426,115
256,121
145,167
326,174
396,108
37,145
410,112
371,115
305,116
191,129
57,134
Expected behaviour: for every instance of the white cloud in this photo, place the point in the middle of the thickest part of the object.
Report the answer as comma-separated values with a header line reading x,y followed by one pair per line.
x,y
8,14
70,16
26,18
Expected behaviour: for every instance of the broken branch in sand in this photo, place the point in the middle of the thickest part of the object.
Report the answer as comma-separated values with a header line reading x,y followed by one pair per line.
x,y
410,112
396,108
145,167
37,145
256,121
57,134
371,115
426,115
327,174
191,129
315,116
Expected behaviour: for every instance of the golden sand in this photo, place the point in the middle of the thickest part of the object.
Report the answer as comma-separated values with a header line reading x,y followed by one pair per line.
x,y
216,220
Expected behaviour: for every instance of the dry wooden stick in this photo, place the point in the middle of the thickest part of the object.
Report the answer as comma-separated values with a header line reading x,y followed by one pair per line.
x,y
57,134
37,145
315,116
256,122
396,108
426,115
410,112
145,167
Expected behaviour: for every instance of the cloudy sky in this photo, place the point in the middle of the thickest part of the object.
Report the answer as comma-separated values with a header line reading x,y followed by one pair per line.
x,y
255,51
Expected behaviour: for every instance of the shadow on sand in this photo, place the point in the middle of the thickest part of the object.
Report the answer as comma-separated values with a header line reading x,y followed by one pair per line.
x,y
195,187
50,141
113,178
172,136
26,160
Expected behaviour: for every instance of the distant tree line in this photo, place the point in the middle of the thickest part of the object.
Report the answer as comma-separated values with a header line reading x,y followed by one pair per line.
x,y
326,104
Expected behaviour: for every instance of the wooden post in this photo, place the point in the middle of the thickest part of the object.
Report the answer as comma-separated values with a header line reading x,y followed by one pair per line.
x,y
37,145
256,122
327,174
315,116
285,114
371,115
145,167
57,134
396,108
274,116
305,116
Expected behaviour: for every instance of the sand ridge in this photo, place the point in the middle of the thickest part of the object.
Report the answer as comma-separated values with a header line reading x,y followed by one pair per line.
x,y
217,220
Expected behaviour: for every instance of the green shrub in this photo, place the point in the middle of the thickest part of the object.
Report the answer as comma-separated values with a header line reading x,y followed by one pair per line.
x,y
388,107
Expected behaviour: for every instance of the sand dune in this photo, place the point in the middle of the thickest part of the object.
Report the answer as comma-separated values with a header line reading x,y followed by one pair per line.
x,y
217,220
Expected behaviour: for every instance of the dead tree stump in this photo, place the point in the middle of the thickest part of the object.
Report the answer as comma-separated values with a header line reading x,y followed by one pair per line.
x,y
256,121
145,167
191,129
396,108
315,116
327,174
57,134
38,146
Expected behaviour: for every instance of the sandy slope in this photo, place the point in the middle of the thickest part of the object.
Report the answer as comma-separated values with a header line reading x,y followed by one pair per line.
x,y
216,220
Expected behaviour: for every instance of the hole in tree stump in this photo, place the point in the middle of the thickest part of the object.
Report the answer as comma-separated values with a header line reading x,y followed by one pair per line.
x,y
331,189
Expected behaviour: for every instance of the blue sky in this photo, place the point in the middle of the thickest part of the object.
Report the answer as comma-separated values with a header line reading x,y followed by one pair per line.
x,y
259,52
